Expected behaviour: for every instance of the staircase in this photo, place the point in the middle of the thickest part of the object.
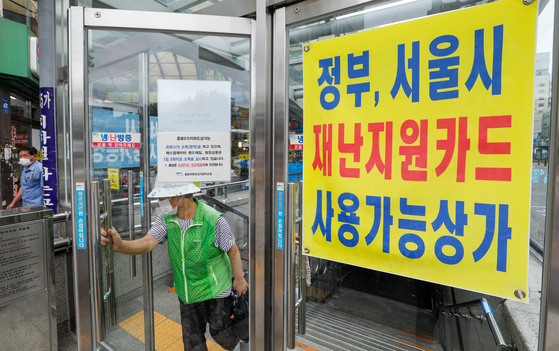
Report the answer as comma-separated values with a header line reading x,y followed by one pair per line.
x,y
332,328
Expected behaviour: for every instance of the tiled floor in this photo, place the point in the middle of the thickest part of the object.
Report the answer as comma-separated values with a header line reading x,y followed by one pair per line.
x,y
128,334
168,333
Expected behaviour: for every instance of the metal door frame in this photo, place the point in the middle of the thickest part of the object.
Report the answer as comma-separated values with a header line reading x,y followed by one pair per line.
x,y
284,18
310,10
79,21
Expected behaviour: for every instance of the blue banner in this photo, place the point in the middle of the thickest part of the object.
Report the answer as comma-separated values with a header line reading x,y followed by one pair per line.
x,y
279,212
105,120
48,148
80,215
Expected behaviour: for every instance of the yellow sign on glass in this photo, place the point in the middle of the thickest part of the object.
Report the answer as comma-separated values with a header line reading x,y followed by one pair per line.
x,y
113,176
418,142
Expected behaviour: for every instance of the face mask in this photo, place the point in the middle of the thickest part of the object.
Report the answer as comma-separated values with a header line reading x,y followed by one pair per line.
x,y
167,208
25,162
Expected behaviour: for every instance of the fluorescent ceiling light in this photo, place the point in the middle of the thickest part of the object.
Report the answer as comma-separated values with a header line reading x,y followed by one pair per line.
x,y
376,8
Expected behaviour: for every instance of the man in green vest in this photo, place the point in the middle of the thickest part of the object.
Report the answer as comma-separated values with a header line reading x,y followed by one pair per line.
x,y
202,250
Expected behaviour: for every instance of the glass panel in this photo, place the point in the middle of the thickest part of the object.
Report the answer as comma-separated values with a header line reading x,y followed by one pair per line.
x,y
397,311
115,62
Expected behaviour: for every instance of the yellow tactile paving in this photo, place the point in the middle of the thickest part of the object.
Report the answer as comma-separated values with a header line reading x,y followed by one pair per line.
x,y
171,327
163,340
210,344
158,318
134,325
168,333
176,346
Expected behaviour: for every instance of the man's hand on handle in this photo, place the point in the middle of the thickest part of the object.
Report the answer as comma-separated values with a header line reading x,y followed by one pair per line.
x,y
117,240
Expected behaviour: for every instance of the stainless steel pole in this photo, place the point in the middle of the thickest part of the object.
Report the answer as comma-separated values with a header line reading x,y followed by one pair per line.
x,y
302,312
131,227
110,297
96,259
290,258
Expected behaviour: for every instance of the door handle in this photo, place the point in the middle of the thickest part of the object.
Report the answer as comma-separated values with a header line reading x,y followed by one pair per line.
x,y
290,260
302,301
294,252
95,230
109,296
131,228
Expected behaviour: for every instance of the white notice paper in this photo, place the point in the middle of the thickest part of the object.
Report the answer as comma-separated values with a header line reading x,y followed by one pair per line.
x,y
194,156
192,105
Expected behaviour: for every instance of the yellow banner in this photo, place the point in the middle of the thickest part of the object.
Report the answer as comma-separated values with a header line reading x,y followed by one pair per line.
x,y
418,141
114,177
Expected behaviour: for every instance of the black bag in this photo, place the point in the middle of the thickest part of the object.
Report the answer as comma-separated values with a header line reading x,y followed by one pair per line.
x,y
240,317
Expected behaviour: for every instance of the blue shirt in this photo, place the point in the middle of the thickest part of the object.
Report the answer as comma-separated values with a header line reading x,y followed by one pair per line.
x,y
32,185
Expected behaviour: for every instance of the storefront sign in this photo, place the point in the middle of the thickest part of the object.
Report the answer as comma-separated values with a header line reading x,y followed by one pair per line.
x,y
22,261
116,139
296,142
34,56
194,156
21,139
418,142
48,149
5,105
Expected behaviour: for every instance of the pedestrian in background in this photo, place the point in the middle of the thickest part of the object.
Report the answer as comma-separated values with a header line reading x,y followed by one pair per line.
x,y
31,179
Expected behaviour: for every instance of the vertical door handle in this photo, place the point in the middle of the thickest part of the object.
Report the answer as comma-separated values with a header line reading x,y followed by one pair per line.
x,y
95,239
302,301
109,297
290,263
131,227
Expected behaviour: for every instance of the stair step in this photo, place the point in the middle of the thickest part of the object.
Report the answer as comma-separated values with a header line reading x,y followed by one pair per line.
x,y
332,329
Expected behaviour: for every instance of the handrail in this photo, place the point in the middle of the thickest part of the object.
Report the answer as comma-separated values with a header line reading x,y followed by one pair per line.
x,y
536,246
110,295
489,315
209,187
62,217
221,204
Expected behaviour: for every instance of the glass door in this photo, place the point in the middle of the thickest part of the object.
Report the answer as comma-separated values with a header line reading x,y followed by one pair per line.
x,y
375,310
124,76
348,307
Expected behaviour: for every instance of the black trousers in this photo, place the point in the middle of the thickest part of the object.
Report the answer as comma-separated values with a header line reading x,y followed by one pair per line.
x,y
215,312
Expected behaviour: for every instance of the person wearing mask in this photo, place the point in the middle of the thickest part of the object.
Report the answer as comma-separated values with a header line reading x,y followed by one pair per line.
x,y
203,252
31,179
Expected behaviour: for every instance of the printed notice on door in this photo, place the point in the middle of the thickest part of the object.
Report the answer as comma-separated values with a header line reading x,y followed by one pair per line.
x,y
194,156
22,261
195,131
418,145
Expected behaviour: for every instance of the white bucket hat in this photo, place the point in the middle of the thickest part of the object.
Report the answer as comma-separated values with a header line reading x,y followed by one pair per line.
x,y
172,189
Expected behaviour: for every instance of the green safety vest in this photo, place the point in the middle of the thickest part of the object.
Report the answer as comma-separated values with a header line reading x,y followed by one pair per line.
x,y
201,270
